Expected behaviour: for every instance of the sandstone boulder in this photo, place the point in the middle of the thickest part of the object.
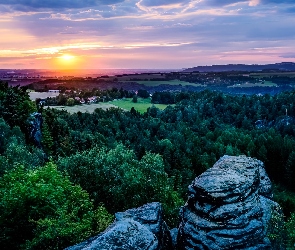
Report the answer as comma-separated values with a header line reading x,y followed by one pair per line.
x,y
225,209
140,228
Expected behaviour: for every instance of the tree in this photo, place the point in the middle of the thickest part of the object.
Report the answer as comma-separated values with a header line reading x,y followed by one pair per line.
x,y
116,178
143,93
290,171
14,151
70,102
290,225
47,140
134,99
15,106
41,209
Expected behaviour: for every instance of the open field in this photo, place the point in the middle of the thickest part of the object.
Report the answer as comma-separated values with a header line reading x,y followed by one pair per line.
x,y
251,85
126,104
41,95
131,77
141,106
84,107
172,82
268,74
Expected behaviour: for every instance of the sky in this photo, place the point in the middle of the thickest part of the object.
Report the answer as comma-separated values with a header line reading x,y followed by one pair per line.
x,y
144,34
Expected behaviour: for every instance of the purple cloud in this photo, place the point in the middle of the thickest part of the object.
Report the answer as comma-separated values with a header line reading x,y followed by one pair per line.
x,y
224,2
251,2
151,3
277,1
27,5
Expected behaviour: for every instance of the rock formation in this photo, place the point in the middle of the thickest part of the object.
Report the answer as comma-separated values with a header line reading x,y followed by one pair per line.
x,y
35,120
135,229
228,207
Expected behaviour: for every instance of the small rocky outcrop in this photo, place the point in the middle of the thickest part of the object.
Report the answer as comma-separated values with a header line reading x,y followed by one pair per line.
x,y
228,207
140,228
35,120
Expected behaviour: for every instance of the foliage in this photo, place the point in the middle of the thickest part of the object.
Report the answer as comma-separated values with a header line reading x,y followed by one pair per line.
x,y
134,99
15,105
47,140
127,158
14,150
290,226
143,93
70,102
117,179
285,198
201,128
41,209
276,232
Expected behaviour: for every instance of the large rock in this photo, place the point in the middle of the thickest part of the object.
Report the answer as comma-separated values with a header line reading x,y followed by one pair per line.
x,y
141,228
226,208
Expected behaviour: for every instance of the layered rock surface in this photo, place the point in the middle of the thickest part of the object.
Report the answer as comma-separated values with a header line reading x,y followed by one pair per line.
x,y
135,229
228,207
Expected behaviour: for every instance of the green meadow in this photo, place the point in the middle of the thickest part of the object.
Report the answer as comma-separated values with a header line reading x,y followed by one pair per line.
x,y
141,106
172,82
84,107
251,85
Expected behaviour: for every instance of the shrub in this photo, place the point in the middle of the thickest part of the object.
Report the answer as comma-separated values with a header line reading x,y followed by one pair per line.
x,y
42,209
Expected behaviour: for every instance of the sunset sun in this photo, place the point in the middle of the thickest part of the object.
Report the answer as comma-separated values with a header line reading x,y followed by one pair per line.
x,y
67,57
67,61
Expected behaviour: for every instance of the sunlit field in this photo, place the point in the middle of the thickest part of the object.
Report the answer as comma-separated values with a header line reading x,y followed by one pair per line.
x,y
172,82
126,104
42,95
141,106
84,107
251,85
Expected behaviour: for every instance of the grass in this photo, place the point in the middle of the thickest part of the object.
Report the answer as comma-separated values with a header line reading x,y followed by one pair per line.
x,y
141,106
172,82
126,104
41,95
268,74
269,84
84,107
249,85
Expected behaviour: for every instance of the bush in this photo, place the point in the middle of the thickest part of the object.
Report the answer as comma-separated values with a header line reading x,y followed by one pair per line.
x,y
134,99
290,226
41,209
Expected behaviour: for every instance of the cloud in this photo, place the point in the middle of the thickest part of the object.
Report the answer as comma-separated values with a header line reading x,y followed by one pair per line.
x,y
154,3
289,55
277,1
249,2
224,2
27,5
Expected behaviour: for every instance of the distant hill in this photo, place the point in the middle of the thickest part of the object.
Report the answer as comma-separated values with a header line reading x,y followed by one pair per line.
x,y
283,66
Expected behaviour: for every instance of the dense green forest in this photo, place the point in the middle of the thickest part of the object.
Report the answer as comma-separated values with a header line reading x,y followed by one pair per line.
x,y
90,166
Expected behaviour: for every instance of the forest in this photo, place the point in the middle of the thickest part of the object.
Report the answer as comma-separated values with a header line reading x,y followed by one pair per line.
x,y
89,166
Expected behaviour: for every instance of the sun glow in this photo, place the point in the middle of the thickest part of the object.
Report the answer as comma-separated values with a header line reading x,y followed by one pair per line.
x,y
67,61
67,57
